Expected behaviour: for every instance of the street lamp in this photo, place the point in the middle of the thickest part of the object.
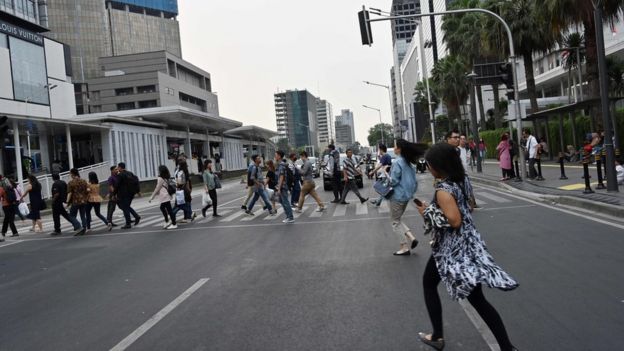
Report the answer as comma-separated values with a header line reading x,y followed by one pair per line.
x,y
383,86
473,117
380,122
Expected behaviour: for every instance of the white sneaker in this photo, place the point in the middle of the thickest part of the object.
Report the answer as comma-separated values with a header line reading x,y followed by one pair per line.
x,y
320,209
166,225
298,210
288,220
172,226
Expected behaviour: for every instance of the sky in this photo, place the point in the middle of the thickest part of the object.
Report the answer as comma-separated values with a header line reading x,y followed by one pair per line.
x,y
255,48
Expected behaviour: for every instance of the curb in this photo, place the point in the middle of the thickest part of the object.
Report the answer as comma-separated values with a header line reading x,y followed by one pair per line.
x,y
608,209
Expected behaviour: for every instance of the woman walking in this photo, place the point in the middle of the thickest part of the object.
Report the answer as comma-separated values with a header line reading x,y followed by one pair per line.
x,y
183,182
482,149
164,198
404,185
271,179
504,157
7,194
459,255
210,186
33,189
94,201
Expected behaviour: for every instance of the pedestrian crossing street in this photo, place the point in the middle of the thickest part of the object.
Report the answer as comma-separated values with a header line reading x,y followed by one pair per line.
x,y
231,215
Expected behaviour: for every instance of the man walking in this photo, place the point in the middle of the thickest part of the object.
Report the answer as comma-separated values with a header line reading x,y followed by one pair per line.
x,y
77,198
455,139
250,188
257,179
350,169
59,195
333,167
127,188
282,186
296,189
112,195
309,187
385,161
531,148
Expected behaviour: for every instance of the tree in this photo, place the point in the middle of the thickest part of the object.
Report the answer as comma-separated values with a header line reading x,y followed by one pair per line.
x,y
421,98
374,134
531,31
565,13
570,60
283,144
615,72
449,75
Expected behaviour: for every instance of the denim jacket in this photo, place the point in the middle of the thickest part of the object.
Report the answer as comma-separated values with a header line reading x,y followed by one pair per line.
x,y
403,180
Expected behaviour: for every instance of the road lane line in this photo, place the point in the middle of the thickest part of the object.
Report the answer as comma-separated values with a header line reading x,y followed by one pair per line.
x,y
229,202
340,210
234,216
494,198
505,208
481,327
9,243
480,201
135,335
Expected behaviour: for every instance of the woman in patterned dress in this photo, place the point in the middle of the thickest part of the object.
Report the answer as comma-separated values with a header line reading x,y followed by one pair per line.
x,y
459,256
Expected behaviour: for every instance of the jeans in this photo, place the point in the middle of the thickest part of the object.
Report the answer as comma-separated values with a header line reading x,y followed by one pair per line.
x,y
9,219
186,209
350,185
110,210
285,201
260,192
82,209
125,205
59,211
167,211
296,191
96,208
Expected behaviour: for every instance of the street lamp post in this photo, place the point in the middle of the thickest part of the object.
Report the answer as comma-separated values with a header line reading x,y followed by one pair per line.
x,y
389,95
473,117
380,122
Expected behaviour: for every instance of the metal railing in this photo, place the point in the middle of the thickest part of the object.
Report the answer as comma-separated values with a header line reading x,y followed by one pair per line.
x,y
101,169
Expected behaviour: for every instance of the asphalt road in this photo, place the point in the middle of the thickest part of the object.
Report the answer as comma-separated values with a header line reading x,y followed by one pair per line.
x,y
324,283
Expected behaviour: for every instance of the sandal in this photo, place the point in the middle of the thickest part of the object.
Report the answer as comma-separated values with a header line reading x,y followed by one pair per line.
x,y
436,344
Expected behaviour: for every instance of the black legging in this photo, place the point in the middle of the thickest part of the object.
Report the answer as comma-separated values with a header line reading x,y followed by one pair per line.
x,y
431,279
167,211
9,219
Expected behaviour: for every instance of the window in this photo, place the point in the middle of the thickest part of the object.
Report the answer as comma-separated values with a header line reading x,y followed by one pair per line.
x,y
170,91
124,91
148,104
125,106
146,89
29,72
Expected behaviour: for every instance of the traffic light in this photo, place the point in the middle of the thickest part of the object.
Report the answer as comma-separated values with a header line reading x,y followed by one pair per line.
x,y
365,28
505,73
4,127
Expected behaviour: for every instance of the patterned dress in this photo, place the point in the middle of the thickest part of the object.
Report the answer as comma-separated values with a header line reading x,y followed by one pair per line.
x,y
461,255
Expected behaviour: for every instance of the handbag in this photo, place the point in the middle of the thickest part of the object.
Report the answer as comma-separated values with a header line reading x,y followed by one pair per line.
x,y
217,182
179,197
23,209
383,187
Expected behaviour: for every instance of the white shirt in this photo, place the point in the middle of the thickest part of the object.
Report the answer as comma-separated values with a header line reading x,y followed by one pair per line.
x,y
620,174
463,154
531,145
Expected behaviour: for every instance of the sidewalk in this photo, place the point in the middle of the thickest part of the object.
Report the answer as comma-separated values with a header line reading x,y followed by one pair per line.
x,y
567,192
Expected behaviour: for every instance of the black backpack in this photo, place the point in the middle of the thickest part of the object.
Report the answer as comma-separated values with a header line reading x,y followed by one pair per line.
x,y
249,181
290,177
133,183
171,186
11,198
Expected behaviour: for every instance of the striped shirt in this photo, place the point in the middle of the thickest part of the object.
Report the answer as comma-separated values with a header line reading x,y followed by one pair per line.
x,y
349,167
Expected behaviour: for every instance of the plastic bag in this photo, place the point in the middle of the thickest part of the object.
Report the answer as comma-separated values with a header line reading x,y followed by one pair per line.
x,y
179,197
206,200
23,209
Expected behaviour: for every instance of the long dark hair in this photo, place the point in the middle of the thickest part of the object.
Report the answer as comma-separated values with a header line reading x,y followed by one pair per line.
x,y
444,159
163,172
36,186
411,152
183,167
93,179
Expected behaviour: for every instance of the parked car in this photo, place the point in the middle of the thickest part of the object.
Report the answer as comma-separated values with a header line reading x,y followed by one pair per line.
x,y
316,166
327,177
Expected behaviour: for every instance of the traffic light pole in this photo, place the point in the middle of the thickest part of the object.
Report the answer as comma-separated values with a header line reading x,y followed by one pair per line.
x,y
367,40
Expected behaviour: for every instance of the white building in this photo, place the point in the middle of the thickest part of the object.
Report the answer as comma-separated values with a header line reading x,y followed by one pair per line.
x,y
345,129
325,123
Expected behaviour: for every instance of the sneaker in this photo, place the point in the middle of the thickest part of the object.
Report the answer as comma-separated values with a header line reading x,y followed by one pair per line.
x,y
344,203
172,226
110,227
127,226
298,210
273,212
77,231
320,209
289,220
137,220
216,215
166,225
80,232
193,217
249,213
55,233
335,201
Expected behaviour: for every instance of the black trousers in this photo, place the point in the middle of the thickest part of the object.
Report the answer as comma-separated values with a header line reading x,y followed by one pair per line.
x,y
532,171
125,205
58,211
431,280
167,211
213,197
9,219
337,186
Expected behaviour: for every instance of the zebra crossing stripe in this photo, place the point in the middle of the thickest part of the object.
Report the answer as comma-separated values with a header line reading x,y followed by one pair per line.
x,y
233,217
480,201
316,214
340,210
494,197
361,209
297,215
150,221
256,214
280,211
383,208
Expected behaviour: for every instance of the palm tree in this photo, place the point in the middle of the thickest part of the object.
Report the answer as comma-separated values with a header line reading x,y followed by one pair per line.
x,y
615,72
565,13
449,75
532,33
570,60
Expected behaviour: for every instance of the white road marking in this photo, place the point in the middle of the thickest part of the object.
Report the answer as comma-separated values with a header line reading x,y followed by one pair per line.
x,y
494,198
135,335
480,201
504,208
256,214
478,323
340,210
233,216
316,214
150,221
361,209
297,215
383,208
237,199
280,211
9,243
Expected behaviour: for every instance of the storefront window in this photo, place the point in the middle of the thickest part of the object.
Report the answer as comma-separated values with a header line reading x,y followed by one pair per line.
x,y
29,72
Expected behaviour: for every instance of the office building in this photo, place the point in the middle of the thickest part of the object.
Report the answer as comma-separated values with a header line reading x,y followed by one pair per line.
x,y
345,129
296,117
325,123
102,28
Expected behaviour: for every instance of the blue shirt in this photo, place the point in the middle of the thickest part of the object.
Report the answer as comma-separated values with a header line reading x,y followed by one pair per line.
x,y
281,171
403,180
386,160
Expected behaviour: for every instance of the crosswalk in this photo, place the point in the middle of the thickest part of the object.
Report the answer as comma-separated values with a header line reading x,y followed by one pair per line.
x,y
155,221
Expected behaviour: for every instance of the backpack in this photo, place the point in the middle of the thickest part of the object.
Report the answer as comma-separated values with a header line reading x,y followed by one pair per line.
x,y
171,187
133,183
11,198
290,177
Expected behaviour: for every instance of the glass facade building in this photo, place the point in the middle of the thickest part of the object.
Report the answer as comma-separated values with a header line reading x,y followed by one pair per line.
x,y
296,116
170,6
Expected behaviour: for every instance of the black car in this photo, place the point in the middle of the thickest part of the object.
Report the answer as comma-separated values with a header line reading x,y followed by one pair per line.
x,y
327,177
